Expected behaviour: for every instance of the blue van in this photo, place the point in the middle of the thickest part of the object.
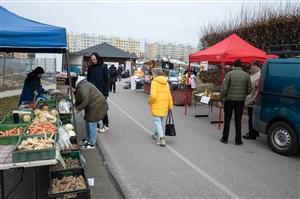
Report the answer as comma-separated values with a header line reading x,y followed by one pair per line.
x,y
277,110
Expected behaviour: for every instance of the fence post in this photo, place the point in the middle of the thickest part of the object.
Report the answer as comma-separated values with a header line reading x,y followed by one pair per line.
x,y
4,71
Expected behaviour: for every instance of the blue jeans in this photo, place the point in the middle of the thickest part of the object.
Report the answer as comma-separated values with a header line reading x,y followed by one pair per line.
x,y
158,123
91,132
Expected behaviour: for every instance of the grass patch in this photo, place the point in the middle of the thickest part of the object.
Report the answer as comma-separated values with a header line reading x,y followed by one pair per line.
x,y
7,104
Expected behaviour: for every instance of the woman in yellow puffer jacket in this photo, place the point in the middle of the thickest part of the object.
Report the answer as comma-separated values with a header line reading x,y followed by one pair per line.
x,y
160,102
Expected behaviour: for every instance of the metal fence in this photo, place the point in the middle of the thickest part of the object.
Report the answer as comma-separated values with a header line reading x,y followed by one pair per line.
x,y
13,71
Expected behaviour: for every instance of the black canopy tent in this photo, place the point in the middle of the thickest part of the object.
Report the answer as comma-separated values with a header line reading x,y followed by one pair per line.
x,y
18,34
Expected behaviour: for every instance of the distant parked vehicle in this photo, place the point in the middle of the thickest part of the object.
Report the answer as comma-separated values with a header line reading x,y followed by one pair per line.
x,y
277,112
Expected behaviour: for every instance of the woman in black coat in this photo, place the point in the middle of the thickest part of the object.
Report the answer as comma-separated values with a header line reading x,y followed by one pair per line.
x,y
98,75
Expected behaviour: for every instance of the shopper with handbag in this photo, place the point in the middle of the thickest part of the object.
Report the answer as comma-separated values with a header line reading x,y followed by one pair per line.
x,y
160,101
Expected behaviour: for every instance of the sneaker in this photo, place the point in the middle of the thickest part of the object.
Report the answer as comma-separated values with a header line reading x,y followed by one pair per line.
x,y
103,129
162,141
249,137
255,134
83,142
87,146
239,143
154,136
158,141
223,140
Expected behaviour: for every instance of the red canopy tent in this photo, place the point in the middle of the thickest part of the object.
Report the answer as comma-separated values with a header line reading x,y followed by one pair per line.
x,y
227,51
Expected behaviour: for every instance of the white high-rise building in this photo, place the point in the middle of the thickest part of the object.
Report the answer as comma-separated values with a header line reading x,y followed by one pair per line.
x,y
172,51
77,42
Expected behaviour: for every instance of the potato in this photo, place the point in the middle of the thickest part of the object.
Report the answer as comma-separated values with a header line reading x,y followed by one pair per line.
x,y
26,118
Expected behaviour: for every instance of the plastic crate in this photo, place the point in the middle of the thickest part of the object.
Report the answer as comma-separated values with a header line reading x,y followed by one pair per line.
x,y
8,118
65,118
11,140
73,155
56,124
80,194
52,104
24,156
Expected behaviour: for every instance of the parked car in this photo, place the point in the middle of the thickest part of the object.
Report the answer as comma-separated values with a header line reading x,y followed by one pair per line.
x,y
277,111
174,77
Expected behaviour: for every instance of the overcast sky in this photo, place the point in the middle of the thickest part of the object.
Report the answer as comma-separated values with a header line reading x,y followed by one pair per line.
x,y
167,21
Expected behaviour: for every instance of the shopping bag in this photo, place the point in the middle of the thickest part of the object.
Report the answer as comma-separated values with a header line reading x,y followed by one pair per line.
x,y
170,127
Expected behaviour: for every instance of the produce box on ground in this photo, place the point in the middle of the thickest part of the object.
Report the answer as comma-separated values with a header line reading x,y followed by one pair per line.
x,y
34,147
24,117
69,184
73,160
10,133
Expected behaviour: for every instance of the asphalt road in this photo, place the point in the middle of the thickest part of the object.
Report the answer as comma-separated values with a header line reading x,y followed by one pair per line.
x,y
194,164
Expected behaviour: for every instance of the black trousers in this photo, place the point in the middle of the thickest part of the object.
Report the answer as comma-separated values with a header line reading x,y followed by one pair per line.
x,y
112,86
252,132
229,107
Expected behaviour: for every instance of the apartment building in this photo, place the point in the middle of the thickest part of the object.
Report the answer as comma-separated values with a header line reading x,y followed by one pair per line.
x,y
172,51
77,42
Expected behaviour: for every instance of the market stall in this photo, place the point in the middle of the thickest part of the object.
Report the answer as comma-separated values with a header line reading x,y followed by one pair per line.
x,y
226,52
37,134
173,70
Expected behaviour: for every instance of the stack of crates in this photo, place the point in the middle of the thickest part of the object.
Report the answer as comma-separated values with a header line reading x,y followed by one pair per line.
x,y
57,173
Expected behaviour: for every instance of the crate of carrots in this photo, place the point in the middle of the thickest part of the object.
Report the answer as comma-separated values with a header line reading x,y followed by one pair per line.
x,y
41,128
10,133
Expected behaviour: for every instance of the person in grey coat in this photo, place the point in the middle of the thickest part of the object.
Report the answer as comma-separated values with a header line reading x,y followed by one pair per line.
x,y
250,99
236,87
94,104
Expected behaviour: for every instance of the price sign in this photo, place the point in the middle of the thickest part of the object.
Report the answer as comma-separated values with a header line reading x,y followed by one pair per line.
x,y
205,100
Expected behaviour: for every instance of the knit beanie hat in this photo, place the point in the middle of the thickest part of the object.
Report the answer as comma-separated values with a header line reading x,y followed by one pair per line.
x,y
256,63
38,70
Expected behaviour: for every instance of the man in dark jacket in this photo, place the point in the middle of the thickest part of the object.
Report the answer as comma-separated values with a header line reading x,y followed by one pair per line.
x,y
236,87
98,76
120,69
113,75
94,104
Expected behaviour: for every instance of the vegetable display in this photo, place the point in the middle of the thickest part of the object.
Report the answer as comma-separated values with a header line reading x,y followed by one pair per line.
x,y
70,163
36,143
12,132
45,116
70,129
41,128
66,184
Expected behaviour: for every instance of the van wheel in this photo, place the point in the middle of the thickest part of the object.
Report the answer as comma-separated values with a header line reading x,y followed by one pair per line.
x,y
282,138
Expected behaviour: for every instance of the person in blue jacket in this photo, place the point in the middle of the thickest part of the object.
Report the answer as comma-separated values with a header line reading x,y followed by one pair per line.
x,y
32,86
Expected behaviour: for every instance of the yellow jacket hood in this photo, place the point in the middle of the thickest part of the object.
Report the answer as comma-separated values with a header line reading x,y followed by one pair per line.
x,y
161,80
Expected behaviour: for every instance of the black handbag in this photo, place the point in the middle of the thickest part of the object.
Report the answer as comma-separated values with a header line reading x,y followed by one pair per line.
x,y
170,127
